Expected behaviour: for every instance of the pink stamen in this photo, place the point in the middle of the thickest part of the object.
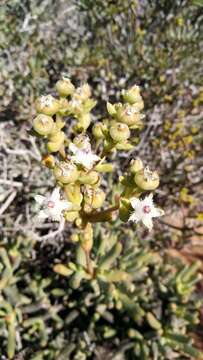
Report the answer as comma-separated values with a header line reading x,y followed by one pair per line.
x,y
50,204
146,209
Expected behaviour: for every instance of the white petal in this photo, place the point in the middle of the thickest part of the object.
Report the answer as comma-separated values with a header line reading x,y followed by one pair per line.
x,y
55,196
39,199
147,221
42,215
148,200
133,217
156,212
135,202
56,217
73,148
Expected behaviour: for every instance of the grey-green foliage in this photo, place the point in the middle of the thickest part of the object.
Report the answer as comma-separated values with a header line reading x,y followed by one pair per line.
x,y
138,306
157,43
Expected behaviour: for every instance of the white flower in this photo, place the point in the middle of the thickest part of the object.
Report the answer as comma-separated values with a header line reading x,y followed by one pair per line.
x,y
144,210
83,155
52,206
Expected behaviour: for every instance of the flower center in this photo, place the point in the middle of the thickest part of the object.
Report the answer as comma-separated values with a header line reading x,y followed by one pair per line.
x,y
146,209
50,204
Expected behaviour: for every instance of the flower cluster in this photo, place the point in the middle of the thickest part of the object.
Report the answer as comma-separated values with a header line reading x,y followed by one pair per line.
x,y
79,155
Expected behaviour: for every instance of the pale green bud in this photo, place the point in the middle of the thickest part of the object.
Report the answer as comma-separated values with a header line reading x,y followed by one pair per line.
x,y
89,178
147,179
84,121
66,172
124,146
47,105
97,131
94,198
43,124
56,142
83,92
132,95
129,115
119,132
63,106
57,136
104,167
136,165
65,87
111,109
98,198
73,193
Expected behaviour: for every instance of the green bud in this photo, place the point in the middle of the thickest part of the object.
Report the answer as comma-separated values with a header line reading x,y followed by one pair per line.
x,y
119,132
136,165
147,179
84,121
132,96
73,193
47,105
43,124
65,87
94,197
124,146
83,92
104,167
54,146
88,105
89,178
97,131
66,172
129,115
111,109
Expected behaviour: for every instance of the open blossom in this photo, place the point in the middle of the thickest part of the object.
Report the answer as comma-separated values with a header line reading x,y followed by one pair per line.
x,y
52,206
144,211
83,155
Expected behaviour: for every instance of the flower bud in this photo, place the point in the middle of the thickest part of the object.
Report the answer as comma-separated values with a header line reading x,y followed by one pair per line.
x,y
65,87
83,92
136,165
84,122
119,132
94,198
89,178
56,142
129,115
97,131
98,198
43,124
57,136
132,95
65,172
147,179
47,105
111,109
73,194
